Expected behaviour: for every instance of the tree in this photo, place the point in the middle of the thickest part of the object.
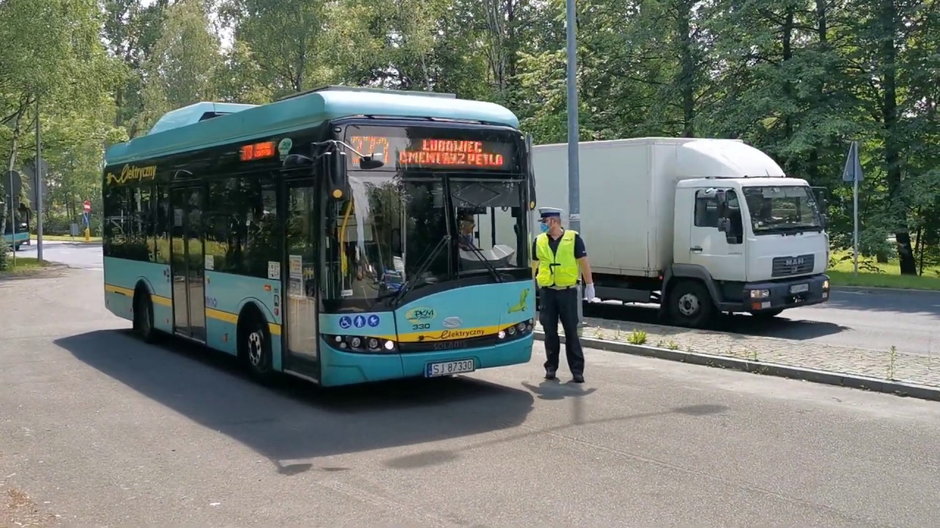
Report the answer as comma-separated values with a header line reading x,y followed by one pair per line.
x,y
281,41
67,67
182,67
130,29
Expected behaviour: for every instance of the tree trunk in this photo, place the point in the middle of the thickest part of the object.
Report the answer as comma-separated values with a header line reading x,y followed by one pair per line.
x,y
686,78
822,33
8,199
787,55
889,21
919,248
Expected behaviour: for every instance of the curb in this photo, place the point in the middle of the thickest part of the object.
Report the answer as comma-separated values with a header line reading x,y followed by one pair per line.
x,y
772,369
880,289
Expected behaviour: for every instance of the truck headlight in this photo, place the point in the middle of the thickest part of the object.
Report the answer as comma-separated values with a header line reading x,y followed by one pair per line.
x,y
826,285
760,294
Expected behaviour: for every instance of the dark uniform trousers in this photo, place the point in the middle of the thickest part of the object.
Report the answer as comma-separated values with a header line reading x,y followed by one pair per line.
x,y
555,305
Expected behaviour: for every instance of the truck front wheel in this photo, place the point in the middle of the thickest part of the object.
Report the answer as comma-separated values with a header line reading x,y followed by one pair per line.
x,y
690,304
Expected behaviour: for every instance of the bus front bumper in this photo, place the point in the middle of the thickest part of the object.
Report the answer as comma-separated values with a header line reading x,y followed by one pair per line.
x,y
340,367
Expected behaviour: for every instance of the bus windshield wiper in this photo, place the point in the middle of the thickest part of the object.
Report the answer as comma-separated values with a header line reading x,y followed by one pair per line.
x,y
410,283
487,263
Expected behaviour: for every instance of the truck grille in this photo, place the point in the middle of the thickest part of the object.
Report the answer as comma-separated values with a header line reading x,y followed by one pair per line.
x,y
784,266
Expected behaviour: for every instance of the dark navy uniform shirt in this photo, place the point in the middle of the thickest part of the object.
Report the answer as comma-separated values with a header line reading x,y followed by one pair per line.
x,y
579,249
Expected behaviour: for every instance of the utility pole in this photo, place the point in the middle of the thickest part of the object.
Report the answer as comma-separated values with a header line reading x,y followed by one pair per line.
x,y
39,186
574,182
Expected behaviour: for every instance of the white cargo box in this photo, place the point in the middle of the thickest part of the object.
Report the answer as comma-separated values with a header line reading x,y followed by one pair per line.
x,y
628,192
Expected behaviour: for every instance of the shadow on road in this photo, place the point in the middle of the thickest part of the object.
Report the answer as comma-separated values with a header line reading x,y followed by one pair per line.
x,y
294,422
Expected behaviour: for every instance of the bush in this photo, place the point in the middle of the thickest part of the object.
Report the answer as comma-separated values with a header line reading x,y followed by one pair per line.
x,y
3,256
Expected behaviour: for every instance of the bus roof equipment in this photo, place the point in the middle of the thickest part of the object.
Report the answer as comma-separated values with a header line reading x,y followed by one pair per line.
x,y
208,124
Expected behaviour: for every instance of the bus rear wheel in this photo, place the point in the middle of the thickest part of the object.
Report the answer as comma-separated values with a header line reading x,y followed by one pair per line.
x,y
143,318
255,347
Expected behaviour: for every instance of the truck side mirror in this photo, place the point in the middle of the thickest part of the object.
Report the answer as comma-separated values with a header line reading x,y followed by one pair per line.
x,y
722,198
724,225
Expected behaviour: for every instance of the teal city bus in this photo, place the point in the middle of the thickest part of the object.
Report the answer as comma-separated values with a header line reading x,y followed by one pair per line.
x,y
340,235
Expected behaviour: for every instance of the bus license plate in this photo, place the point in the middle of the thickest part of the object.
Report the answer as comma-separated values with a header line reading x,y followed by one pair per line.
x,y
446,368
799,288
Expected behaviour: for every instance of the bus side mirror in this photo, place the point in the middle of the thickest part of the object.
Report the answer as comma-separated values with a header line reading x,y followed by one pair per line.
x,y
530,169
336,173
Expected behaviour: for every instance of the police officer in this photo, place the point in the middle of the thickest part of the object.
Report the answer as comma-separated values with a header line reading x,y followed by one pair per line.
x,y
559,258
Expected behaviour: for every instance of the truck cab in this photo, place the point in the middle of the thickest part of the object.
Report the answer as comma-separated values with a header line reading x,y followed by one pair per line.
x,y
757,245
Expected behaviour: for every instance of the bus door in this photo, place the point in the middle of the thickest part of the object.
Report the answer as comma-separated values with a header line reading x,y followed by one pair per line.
x,y
187,263
301,286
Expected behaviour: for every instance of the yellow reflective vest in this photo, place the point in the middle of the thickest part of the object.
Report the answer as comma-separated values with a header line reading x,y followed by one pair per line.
x,y
559,268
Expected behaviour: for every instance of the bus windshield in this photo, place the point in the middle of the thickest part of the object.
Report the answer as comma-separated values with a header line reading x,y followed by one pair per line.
x,y
782,209
417,230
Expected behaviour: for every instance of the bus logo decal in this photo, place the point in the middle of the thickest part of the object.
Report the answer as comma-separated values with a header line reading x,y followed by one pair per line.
x,y
132,173
345,322
415,315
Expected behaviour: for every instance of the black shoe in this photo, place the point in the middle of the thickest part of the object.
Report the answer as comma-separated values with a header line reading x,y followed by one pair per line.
x,y
550,376
578,378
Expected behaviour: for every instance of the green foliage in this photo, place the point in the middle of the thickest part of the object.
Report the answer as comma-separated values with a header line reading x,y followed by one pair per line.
x,y
798,80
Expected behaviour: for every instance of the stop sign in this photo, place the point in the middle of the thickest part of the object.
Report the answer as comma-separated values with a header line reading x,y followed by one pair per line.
x,y
87,206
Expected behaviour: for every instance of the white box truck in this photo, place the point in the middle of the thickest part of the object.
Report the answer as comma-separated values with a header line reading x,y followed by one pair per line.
x,y
699,226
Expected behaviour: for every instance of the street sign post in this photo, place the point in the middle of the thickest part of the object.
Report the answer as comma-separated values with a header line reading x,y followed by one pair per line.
x,y
86,207
853,173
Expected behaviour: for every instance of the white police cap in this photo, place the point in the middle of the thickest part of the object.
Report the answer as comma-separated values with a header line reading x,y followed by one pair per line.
x,y
546,212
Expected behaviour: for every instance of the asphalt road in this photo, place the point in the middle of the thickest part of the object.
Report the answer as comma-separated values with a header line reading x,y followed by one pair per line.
x,y
74,255
99,429
874,319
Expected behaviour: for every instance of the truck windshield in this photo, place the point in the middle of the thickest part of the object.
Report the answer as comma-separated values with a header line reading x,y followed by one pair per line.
x,y
392,233
782,209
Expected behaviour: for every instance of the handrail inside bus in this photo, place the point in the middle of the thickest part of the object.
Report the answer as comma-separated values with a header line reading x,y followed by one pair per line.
x,y
342,236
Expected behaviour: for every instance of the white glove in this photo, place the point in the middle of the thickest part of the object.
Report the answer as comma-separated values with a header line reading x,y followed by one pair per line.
x,y
589,292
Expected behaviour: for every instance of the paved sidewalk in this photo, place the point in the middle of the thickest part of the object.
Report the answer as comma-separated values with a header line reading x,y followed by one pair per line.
x,y
875,364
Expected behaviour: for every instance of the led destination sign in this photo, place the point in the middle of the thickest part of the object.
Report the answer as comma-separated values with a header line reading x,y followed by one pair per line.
x,y
399,152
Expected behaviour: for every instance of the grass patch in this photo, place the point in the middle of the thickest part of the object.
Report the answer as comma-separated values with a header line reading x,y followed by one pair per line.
x,y
873,274
67,238
23,266
878,280
637,337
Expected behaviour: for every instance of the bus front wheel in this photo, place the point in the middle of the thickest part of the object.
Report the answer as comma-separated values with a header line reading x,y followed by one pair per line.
x,y
255,347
